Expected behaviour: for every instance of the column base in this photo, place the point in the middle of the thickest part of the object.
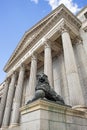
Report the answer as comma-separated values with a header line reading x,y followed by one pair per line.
x,y
4,128
14,125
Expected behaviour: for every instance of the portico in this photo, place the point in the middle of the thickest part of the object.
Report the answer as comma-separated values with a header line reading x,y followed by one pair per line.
x,y
56,38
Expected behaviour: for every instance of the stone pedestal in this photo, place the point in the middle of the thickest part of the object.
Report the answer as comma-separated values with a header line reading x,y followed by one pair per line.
x,y
44,115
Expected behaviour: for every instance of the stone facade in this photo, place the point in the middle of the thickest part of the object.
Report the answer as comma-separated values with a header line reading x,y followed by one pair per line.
x,y
57,46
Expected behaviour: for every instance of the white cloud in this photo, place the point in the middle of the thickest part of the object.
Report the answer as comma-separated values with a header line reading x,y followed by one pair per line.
x,y
72,6
53,3
36,1
68,3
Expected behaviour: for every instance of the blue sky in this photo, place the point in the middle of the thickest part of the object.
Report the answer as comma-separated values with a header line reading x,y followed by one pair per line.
x,y
17,16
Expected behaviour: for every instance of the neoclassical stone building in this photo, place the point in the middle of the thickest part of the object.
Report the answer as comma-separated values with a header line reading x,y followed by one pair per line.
x,y
57,46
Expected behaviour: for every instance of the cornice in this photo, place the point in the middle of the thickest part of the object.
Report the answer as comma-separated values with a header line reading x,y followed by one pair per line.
x,y
62,12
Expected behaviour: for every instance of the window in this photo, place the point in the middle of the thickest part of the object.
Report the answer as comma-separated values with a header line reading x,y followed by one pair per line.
x,y
85,14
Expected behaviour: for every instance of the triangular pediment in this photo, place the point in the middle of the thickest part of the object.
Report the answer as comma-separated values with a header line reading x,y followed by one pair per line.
x,y
28,36
38,29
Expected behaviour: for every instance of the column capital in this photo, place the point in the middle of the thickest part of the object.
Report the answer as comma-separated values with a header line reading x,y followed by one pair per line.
x,y
22,66
34,56
14,73
47,43
7,79
64,28
78,40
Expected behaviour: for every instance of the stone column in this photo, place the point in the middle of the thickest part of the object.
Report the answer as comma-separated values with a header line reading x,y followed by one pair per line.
x,y
9,102
75,91
82,58
48,68
3,99
32,77
18,97
81,54
63,87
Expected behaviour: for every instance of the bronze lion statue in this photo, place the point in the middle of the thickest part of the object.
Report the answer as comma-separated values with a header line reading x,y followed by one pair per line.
x,y
44,91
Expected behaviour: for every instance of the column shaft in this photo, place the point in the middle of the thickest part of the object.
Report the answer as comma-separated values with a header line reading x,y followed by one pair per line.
x,y
82,58
63,86
3,100
9,102
18,97
71,71
32,78
48,68
82,55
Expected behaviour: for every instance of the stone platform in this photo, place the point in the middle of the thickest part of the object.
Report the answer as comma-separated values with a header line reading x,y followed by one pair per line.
x,y
46,115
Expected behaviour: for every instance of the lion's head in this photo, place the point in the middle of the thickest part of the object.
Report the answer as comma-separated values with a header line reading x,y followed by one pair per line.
x,y
42,78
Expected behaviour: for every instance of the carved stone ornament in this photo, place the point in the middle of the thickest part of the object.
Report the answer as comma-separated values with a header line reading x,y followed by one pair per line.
x,y
44,90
